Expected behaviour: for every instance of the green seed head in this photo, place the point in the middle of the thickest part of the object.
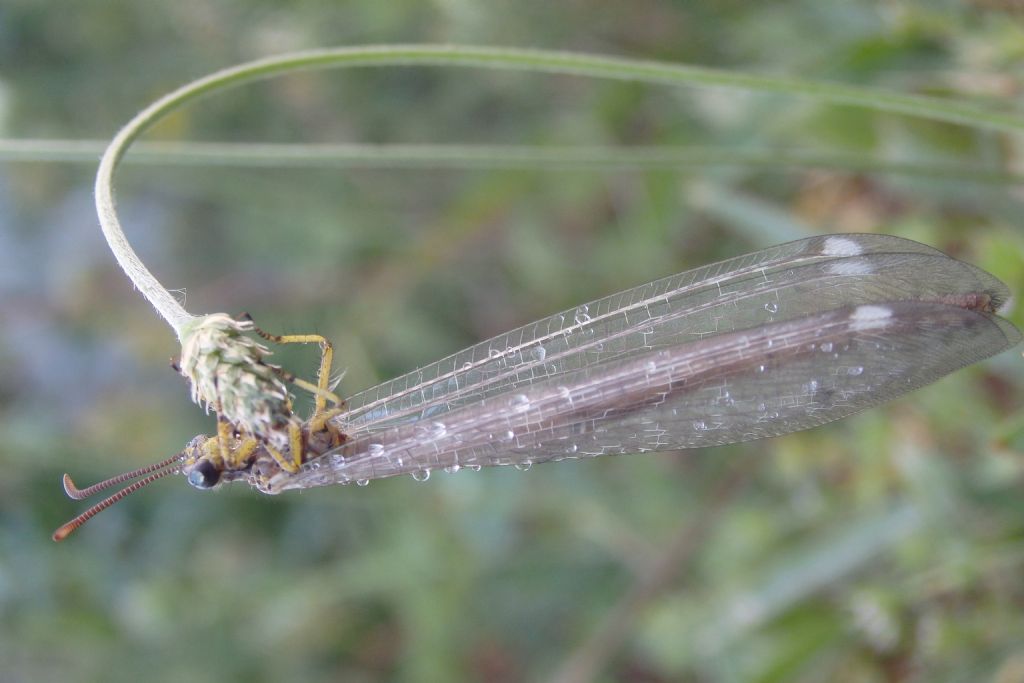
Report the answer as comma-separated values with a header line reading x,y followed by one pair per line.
x,y
227,369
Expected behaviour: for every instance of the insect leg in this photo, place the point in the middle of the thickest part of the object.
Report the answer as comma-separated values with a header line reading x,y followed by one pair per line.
x,y
320,390
225,435
321,421
242,453
288,465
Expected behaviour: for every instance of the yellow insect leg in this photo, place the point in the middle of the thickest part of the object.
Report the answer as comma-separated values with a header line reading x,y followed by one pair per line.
x,y
242,453
320,390
321,421
225,435
286,464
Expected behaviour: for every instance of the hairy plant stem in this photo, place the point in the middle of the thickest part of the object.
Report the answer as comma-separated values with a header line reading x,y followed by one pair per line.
x,y
494,58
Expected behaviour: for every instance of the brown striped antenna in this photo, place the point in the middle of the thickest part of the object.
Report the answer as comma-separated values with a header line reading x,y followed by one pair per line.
x,y
154,472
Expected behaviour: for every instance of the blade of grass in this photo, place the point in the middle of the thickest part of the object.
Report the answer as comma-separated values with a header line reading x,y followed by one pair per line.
x,y
470,157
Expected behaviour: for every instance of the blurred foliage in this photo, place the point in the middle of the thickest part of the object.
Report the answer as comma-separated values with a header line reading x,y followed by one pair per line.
x,y
887,547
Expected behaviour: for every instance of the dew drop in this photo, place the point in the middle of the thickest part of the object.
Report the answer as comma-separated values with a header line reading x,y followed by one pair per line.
x,y
362,482
437,430
467,366
582,315
421,475
826,347
855,370
375,449
493,353
539,352
761,368
699,425
571,448
771,307
564,392
523,466
452,469
476,468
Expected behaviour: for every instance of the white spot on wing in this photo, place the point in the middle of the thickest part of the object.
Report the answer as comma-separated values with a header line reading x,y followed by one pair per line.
x,y
870,317
841,246
851,267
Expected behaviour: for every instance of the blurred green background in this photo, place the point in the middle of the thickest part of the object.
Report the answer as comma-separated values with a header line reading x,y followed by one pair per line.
x,y
887,547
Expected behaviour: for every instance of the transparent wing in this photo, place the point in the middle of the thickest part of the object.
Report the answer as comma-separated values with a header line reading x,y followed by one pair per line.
x,y
781,283
739,385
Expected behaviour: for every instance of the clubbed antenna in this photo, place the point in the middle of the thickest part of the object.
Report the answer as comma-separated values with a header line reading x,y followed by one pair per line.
x,y
79,494
69,487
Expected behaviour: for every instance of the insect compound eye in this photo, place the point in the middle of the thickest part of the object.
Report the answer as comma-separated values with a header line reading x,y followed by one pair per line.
x,y
204,475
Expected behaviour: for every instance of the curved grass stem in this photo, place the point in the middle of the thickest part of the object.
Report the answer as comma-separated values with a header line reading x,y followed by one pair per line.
x,y
595,66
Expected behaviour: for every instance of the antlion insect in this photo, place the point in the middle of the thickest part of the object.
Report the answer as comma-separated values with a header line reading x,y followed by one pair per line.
x,y
773,342
254,432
